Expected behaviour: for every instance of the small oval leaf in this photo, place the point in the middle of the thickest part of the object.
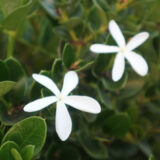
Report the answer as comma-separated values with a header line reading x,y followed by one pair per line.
x,y
30,131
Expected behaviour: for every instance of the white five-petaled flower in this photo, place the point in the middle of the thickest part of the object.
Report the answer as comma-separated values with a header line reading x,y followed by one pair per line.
x,y
63,121
123,51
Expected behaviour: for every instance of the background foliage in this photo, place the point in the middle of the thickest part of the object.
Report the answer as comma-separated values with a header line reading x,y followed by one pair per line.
x,y
52,37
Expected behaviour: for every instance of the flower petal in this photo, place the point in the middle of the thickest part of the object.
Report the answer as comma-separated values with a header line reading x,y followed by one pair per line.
x,y
118,67
63,121
137,62
70,82
47,82
83,103
137,40
102,48
39,104
116,33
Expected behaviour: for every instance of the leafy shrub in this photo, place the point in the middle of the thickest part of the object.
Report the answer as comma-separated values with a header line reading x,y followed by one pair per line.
x,y
51,37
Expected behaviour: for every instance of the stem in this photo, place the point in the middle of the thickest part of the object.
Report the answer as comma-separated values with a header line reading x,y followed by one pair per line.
x,y
11,40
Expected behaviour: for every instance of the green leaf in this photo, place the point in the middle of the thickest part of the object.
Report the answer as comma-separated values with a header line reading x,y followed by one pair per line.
x,y
101,12
16,154
68,55
133,112
16,18
93,148
4,71
57,70
5,87
103,97
102,63
117,125
1,135
8,6
27,152
5,150
15,68
113,86
72,22
94,18
17,73
131,89
30,131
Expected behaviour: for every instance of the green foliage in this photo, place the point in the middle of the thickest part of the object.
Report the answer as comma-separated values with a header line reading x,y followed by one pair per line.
x,y
6,86
16,14
15,154
51,37
117,125
68,56
5,150
21,133
93,148
27,152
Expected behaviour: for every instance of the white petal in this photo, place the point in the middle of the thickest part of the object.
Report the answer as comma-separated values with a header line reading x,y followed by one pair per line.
x,y
116,33
63,121
70,82
39,104
102,48
83,103
47,82
137,62
137,40
118,67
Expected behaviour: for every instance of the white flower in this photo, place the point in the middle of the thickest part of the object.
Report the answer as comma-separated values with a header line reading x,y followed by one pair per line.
x,y
123,51
63,121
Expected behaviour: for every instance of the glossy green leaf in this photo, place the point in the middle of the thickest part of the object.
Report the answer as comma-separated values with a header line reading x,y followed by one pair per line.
x,y
30,131
68,55
5,150
16,155
117,125
5,87
27,152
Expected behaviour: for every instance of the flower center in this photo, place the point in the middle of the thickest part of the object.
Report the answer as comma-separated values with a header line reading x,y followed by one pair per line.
x,y
123,49
60,97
